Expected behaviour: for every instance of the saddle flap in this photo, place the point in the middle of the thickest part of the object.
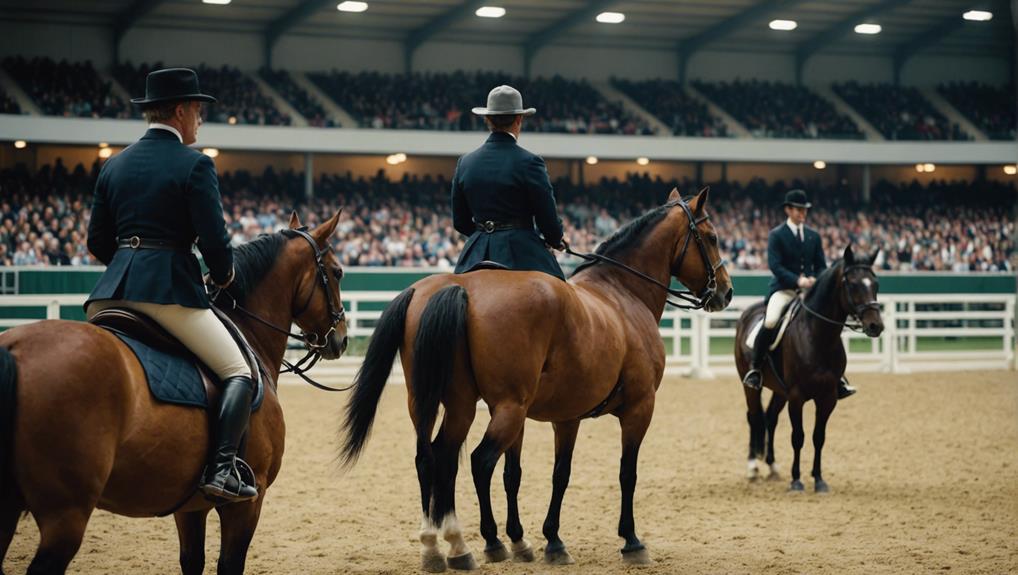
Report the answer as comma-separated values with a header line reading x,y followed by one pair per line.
x,y
138,326
790,311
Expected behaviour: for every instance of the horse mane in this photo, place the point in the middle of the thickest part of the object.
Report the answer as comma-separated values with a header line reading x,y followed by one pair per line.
x,y
826,284
252,261
629,235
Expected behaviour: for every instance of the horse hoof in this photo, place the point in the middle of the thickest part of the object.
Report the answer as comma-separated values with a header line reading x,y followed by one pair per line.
x,y
433,562
637,556
523,552
496,553
558,556
820,486
796,486
463,562
774,475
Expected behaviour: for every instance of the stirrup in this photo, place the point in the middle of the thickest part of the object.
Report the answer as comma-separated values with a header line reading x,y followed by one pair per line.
x,y
748,376
244,476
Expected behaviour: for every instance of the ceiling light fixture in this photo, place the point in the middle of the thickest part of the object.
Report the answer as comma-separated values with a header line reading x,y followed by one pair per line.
x,y
819,164
868,29
643,161
611,17
351,6
217,2
978,15
105,152
211,152
490,12
784,25
20,144
1010,170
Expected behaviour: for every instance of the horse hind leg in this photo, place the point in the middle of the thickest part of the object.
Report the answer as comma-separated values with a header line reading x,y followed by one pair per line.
x,y
505,427
10,512
773,414
460,411
755,418
523,552
61,532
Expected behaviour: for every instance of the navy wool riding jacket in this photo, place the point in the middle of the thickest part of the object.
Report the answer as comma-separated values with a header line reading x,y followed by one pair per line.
x,y
502,182
789,258
158,189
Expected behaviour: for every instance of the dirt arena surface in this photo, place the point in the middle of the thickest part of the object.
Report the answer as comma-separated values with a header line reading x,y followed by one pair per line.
x,y
923,471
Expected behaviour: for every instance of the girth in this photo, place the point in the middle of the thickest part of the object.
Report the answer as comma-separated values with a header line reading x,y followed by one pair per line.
x,y
490,226
136,243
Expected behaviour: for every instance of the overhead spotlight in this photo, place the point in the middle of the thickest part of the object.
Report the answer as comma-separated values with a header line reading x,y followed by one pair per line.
x,y
105,152
784,25
929,167
217,2
211,152
395,159
643,161
231,120
920,168
591,160
611,17
1010,169
978,15
20,144
868,29
819,164
104,144
490,12
351,6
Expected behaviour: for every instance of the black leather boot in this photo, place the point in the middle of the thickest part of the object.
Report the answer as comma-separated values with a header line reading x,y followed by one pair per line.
x,y
222,480
844,389
764,338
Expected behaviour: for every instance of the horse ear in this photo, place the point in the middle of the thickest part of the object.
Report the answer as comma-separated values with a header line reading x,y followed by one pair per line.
x,y
700,202
323,232
849,256
294,220
674,196
873,258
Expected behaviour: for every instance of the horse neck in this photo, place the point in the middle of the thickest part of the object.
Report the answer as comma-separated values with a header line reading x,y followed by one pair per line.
x,y
652,257
268,344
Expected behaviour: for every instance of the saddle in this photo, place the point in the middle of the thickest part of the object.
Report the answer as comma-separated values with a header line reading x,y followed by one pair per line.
x,y
789,313
173,373
486,265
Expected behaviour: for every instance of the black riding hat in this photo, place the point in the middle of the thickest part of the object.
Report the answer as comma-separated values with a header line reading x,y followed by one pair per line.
x,y
171,84
797,199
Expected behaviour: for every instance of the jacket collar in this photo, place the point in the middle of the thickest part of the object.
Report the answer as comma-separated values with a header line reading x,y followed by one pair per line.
x,y
501,137
160,134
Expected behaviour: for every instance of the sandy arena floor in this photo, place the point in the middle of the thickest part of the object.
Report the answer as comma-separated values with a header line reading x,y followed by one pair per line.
x,y
923,471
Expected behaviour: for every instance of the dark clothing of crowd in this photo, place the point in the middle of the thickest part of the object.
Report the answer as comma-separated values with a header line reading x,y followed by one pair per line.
x,y
64,88
297,97
899,112
668,101
990,108
7,104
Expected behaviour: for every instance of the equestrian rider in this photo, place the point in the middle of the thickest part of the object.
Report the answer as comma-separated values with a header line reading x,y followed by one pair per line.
x,y
795,255
499,190
152,201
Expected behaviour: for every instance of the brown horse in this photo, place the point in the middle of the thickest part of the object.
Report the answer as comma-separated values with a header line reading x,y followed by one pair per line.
x,y
531,345
810,360
87,433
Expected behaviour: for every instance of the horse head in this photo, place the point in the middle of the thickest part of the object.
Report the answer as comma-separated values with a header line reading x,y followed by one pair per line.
x,y
697,261
858,287
317,304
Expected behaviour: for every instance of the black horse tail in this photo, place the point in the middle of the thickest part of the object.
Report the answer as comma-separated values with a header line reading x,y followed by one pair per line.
x,y
8,400
442,327
371,377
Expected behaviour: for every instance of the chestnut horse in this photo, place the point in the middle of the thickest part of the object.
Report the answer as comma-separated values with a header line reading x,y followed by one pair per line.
x,y
531,345
80,429
810,360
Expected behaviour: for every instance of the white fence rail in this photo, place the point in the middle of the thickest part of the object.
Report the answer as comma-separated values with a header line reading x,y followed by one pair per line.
x,y
922,332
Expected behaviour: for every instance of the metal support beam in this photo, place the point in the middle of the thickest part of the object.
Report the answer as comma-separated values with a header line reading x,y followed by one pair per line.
x,y
539,39
128,18
805,50
288,20
436,25
689,46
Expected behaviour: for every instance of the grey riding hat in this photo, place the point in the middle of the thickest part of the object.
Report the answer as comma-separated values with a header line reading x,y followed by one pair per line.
x,y
504,101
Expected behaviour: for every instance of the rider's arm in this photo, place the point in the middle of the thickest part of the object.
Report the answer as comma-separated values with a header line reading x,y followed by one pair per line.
x,y
462,218
542,200
102,241
786,277
206,208
819,261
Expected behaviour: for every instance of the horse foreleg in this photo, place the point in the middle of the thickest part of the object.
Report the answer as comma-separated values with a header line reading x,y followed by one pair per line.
x,y
773,414
60,534
10,510
239,521
511,478
565,439
798,437
634,426
505,427
191,533
825,406
755,418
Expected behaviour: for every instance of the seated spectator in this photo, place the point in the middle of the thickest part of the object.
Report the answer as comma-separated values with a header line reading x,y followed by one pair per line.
x,y
898,112
297,97
777,110
441,101
7,104
990,108
668,102
239,99
66,88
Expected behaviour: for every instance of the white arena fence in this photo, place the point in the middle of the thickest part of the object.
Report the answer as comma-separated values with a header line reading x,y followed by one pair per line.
x,y
923,332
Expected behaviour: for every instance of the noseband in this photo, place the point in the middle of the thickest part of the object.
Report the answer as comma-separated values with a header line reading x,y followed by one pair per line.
x,y
857,309
693,300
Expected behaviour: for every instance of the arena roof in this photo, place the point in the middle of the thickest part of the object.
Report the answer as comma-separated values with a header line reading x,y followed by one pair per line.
x,y
908,26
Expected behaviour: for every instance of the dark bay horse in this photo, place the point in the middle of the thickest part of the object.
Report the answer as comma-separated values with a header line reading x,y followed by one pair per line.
x,y
80,429
531,345
810,358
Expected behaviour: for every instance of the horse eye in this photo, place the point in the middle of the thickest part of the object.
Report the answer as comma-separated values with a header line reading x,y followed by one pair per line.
x,y
337,273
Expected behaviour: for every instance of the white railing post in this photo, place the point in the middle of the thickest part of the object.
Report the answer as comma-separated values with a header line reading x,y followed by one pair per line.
x,y
53,310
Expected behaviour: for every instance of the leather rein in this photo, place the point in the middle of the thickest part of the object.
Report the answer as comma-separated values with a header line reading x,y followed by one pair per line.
x,y
857,310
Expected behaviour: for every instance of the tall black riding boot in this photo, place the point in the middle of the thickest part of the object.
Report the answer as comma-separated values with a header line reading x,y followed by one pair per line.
x,y
764,338
222,480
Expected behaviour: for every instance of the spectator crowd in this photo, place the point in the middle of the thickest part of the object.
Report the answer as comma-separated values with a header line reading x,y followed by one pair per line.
x,y
668,101
297,97
947,226
65,88
991,108
899,112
